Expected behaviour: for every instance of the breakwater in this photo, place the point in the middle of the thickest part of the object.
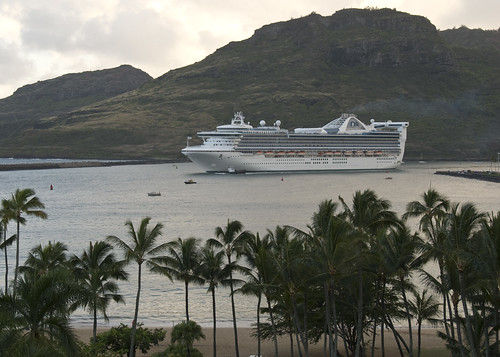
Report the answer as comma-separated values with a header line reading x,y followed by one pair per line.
x,y
491,176
74,164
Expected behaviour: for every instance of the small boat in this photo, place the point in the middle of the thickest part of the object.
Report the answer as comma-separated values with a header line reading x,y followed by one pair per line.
x,y
190,182
154,193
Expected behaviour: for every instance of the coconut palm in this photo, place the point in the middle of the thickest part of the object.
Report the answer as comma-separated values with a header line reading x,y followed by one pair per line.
x,y
97,271
400,253
37,319
433,206
142,249
368,215
185,333
6,242
42,259
181,263
261,275
464,220
489,254
231,239
327,236
22,202
292,264
424,307
215,272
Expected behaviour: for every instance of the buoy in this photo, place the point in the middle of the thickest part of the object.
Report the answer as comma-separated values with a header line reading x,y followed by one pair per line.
x,y
51,188
282,179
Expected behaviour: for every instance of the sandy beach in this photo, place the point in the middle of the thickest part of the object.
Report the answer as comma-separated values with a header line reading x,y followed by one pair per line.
x,y
432,345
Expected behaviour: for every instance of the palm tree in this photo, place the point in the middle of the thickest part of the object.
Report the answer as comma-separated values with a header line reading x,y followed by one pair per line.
x,y
433,206
6,242
231,239
22,202
261,275
294,273
181,263
424,307
214,272
489,254
328,236
38,317
142,249
464,220
97,270
186,333
368,215
432,210
42,259
400,253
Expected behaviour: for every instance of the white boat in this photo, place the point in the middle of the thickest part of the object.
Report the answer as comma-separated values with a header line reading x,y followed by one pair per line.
x,y
350,144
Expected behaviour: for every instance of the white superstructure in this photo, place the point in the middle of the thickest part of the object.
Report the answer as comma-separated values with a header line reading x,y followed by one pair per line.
x,y
343,144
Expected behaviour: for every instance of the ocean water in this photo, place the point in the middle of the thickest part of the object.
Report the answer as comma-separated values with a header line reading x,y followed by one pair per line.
x,y
88,204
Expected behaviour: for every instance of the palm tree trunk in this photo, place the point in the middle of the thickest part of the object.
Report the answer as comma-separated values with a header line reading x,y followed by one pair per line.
x,y
446,327
459,329
94,327
297,326
6,260
258,323
306,326
186,284
326,289
451,318
234,314
359,325
334,312
273,325
375,320
214,323
419,338
496,332
408,316
17,260
397,336
486,336
468,327
382,322
131,352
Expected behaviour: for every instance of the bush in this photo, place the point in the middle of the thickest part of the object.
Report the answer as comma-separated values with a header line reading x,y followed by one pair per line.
x,y
116,341
183,336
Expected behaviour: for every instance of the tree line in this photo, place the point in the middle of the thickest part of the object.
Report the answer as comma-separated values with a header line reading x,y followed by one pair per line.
x,y
352,276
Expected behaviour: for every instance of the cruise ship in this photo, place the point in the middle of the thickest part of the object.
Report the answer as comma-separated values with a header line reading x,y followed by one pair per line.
x,y
345,143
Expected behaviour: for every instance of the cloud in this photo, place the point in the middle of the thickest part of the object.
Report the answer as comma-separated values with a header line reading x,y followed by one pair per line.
x,y
44,40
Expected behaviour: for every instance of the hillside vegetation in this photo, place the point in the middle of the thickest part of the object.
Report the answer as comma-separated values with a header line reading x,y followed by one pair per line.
x,y
380,64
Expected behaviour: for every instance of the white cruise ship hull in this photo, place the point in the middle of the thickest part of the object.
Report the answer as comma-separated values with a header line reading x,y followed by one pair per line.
x,y
343,144
223,161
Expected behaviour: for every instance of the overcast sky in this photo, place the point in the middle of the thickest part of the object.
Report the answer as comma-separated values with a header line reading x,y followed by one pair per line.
x,y
40,40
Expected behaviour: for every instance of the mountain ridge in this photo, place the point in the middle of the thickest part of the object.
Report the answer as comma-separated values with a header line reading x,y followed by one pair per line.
x,y
378,63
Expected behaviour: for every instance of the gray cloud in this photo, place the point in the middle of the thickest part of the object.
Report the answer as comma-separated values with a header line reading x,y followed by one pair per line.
x,y
45,41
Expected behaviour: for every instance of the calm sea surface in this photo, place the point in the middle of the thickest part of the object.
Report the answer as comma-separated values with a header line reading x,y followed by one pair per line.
x,y
88,204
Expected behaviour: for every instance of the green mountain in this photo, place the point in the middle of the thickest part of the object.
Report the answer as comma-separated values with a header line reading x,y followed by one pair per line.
x,y
380,64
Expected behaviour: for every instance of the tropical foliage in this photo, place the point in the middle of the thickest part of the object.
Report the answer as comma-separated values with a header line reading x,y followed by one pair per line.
x,y
356,273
